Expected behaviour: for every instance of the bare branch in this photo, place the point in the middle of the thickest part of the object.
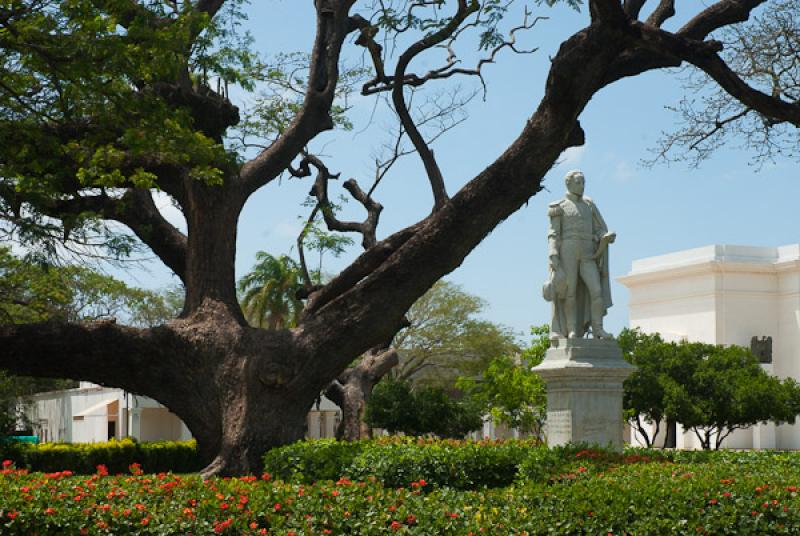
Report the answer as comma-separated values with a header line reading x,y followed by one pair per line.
x,y
314,116
714,17
633,7
432,169
368,227
703,54
664,10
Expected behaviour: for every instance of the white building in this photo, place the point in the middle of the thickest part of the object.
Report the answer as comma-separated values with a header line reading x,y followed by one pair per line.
x,y
725,295
92,413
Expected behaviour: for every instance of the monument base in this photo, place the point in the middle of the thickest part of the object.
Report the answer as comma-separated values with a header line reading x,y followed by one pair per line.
x,y
584,391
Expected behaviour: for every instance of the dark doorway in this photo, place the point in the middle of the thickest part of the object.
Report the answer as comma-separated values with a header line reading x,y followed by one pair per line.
x,y
112,429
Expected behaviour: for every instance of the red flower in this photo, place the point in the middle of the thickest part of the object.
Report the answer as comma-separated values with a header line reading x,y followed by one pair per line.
x,y
50,511
102,470
12,514
277,506
7,464
411,519
266,476
395,525
145,521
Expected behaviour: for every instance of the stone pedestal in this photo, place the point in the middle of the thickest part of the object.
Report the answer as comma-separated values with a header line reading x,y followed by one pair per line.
x,y
584,391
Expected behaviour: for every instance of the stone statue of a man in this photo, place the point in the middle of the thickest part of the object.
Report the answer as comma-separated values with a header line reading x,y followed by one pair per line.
x,y
578,284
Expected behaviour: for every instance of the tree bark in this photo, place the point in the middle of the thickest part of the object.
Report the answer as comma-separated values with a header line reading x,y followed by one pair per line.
x,y
352,390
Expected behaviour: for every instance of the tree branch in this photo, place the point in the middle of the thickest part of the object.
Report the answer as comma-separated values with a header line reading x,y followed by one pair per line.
x,y
703,54
722,13
609,11
314,116
432,169
664,10
364,265
136,210
633,8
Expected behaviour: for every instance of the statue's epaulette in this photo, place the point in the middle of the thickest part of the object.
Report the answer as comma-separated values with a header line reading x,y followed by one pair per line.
x,y
554,209
588,200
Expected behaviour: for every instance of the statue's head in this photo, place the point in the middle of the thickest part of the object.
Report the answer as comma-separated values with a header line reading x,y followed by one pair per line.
x,y
575,182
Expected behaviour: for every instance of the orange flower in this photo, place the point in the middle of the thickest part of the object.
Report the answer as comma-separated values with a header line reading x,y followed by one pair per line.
x,y
50,511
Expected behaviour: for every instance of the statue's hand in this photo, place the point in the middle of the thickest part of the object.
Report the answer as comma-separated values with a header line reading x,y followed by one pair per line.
x,y
554,263
611,237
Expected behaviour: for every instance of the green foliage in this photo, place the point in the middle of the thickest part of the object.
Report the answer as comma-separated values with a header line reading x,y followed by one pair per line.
x,y
312,460
117,456
269,292
712,390
398,461
509,391
397,407
445,339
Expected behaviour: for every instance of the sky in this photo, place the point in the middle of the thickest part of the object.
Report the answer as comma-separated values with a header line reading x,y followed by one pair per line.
x,y
654,210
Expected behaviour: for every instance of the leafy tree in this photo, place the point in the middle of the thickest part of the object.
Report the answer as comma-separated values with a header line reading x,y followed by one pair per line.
x,y
731,391
270,292
102,103
442,339
398,407
712,390
510,391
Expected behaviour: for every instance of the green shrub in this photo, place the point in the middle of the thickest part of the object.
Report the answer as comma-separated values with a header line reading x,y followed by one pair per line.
x,y
399,461
117,456
312,460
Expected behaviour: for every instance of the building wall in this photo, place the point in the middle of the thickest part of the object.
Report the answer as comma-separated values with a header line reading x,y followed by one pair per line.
x,y
82,415
725,295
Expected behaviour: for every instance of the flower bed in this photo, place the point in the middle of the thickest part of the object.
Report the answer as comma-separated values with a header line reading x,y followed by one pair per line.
x,y
642,493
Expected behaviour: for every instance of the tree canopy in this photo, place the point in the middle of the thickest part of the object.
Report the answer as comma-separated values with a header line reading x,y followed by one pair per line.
x,y
709,389
105,103
445,337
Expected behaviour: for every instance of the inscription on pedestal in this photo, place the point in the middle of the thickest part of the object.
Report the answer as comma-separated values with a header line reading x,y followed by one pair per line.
x,y
559,426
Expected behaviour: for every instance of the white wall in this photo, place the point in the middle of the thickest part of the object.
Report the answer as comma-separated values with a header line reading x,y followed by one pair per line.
x,y
725,295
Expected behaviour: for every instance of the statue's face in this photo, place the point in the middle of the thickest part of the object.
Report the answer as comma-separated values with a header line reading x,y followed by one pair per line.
x,y
575,184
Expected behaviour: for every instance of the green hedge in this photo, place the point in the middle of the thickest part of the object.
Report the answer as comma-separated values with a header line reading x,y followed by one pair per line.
x,y
117,456
399,461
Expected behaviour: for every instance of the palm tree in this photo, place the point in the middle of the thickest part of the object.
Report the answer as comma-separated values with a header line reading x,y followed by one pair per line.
x,y
269,292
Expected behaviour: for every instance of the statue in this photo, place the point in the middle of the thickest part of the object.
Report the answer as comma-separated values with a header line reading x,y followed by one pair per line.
x,y
578,284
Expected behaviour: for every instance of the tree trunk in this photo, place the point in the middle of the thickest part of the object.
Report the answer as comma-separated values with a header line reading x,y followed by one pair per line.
x,y
353,388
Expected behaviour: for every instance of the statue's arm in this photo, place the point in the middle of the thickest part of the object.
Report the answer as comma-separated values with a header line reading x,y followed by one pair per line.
x,y
600,227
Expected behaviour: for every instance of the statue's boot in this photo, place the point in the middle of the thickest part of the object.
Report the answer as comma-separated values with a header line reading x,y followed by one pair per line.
x,y
569,313
597,320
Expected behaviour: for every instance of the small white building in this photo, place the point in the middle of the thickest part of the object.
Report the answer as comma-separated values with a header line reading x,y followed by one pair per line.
x,y
91,413
726,295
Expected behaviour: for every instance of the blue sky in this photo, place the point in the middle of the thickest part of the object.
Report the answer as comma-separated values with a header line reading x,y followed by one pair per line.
x,y
653,210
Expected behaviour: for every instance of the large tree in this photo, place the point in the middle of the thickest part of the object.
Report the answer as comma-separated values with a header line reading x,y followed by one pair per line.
x,y
103,101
